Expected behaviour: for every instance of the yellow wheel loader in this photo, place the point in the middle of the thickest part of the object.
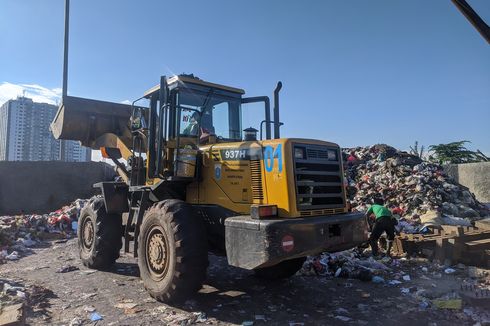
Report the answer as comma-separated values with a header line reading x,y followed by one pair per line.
x,y
194,181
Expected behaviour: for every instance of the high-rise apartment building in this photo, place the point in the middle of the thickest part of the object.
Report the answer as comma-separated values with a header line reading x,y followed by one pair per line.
x,y
25,135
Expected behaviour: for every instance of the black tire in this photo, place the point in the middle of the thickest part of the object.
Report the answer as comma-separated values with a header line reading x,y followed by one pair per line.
x,y
99,235
172,251
282,270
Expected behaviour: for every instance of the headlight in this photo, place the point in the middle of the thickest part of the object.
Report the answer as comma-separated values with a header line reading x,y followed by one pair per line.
x,y
299,153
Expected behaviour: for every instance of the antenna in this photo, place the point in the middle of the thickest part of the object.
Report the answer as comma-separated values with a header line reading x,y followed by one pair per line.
x,y
65,55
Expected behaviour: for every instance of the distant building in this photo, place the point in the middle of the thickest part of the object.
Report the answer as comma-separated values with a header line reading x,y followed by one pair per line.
x,y
25,135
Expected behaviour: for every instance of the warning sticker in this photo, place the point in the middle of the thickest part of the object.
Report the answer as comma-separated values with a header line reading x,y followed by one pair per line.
x,y
287,243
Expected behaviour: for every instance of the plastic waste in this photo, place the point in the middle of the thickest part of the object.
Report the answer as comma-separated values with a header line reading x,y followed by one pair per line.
x,y
378,279
95,316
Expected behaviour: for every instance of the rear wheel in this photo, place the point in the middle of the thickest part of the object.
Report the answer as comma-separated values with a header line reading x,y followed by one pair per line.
x,y
282,270
172,251
99,235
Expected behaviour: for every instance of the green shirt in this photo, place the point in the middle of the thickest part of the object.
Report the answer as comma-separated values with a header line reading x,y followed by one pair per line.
x,y
379,211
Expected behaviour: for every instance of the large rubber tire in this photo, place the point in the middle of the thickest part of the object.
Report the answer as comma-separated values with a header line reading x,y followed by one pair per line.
x,y
99,235
282,270
172,251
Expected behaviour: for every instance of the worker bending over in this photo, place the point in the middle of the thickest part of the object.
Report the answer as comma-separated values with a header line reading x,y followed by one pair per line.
x,y
384,222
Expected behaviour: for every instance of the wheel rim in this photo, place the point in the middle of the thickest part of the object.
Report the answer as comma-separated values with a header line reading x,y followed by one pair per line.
x,y
156,253
87,233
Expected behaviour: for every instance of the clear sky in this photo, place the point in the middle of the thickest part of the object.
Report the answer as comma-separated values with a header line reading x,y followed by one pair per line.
x,y
354,72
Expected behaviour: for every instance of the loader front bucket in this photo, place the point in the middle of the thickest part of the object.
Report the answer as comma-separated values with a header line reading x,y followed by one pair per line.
x,y
94,123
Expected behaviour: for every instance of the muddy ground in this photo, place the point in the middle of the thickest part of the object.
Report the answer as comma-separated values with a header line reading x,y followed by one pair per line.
x,y
229,296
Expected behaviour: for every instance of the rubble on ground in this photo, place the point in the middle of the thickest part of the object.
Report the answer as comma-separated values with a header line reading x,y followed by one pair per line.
x,y
418,192
17,297
21,232
417,278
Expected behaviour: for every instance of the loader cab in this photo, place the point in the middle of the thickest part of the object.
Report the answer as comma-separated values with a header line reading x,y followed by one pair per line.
x,y
185,113
205,113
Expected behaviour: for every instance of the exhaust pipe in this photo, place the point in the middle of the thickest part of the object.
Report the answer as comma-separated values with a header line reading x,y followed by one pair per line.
x,y
277,123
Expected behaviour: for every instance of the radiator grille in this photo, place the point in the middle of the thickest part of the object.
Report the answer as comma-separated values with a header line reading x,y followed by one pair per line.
x,y
256,174
319,188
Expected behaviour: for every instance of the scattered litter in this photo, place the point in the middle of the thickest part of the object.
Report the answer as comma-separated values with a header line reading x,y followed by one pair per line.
x,y
378,279
406,278
95,316
67,269
125,305
341,311
424,305
12,314
247,323
448,303
201,317
88,271
21,294
89,309
449,270
394,282
77,321
13,256
343,318
405,290
260,317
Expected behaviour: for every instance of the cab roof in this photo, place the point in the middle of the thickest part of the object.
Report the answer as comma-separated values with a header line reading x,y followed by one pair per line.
x,y
190,79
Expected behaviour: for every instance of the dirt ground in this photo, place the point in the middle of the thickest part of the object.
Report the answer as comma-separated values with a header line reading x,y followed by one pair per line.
x,y
229,296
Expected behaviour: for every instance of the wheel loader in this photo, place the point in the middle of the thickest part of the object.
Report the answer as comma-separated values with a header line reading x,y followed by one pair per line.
x,y
193,180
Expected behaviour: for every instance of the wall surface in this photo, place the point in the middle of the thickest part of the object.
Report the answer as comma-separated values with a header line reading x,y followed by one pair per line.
x,y
475,176
42,187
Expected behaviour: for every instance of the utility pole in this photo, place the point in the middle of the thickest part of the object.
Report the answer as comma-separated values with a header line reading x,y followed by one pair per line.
x,y
65,49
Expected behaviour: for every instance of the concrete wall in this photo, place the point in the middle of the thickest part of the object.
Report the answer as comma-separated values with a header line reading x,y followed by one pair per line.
x,y
41,187
475,176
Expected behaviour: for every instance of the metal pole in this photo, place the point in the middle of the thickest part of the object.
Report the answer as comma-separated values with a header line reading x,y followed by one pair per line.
x,y
65,55
473,18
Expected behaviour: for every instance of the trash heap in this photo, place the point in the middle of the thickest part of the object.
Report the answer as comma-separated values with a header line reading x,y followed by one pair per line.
x,y
21,232
351,264
415,278
414,190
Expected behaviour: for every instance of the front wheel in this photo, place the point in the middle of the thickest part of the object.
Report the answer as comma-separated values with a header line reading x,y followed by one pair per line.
x,y
172,251
282,270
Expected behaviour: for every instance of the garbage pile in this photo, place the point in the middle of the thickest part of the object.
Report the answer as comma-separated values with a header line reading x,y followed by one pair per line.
x,y
415,278
19,233
351,264
415,190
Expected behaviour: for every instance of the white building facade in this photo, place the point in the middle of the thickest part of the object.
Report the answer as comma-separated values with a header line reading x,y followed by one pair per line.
x,y
25,135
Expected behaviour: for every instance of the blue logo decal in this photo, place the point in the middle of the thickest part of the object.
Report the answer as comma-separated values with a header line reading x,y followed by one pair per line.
x,y
217,171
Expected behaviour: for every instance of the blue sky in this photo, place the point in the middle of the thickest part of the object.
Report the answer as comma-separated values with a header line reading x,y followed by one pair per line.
x,y
354,72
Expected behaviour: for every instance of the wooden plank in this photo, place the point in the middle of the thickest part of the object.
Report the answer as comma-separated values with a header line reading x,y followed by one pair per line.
x,y
478,244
